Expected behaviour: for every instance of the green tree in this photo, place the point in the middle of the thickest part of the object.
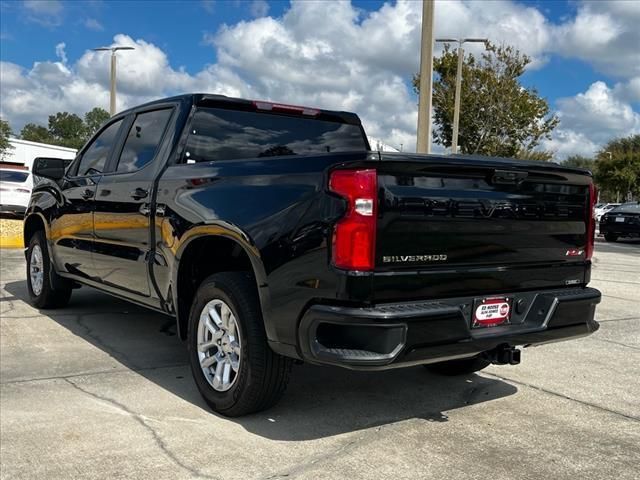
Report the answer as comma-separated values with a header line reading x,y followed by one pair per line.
x,y
35,133
580,162
538,155
618,168
67,129
5,133
94,119
498,115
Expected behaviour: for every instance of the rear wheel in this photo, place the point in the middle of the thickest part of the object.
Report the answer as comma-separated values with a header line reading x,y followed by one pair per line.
x,y
458,367
39,276
610,237
235,370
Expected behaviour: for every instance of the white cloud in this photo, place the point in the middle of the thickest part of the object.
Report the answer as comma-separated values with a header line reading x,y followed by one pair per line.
x,y
629,91
589,119
259,8
567,142
60,53
31,95
604,34
209,6
333,55
47,13
93,24
501,21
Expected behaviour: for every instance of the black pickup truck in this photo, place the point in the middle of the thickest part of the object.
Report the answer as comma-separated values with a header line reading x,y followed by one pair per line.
x,y
272,233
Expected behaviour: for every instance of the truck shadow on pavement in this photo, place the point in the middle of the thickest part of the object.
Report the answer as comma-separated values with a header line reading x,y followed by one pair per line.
x,y
320,401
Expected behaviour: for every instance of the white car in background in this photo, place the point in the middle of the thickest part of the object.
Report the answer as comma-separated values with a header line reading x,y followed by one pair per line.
x,y
15,190
604,208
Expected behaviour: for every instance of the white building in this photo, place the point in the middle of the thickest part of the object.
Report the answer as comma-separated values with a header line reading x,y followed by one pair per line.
x,y
379,146
23,152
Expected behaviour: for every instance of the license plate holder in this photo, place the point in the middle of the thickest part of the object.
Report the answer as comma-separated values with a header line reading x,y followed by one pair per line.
x,y
491,312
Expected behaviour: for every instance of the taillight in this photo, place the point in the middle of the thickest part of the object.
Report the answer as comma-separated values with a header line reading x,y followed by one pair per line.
x,y
591,221
354,238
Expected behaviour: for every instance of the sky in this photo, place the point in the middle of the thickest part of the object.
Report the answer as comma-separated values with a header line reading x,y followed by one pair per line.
x,y
350,55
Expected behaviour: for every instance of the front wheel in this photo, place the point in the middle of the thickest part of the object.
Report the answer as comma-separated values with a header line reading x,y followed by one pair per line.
x,y
463,366
610,237
235,370
39,276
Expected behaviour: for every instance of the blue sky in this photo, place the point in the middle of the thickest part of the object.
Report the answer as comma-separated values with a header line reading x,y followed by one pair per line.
x,y
208,44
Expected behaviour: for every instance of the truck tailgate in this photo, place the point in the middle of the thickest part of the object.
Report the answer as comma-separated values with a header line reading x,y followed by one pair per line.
x,y
478,225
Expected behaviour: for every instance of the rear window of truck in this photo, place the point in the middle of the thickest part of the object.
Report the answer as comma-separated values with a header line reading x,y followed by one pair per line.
x,y
219,134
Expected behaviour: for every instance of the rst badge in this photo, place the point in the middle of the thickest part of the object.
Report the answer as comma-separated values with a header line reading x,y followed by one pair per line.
x,y
413,258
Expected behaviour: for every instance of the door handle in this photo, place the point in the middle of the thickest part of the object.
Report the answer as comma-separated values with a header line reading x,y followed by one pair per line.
x,y
87,194
139,194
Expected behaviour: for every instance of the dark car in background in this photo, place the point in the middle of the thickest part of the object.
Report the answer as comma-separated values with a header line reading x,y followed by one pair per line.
x,y
622,221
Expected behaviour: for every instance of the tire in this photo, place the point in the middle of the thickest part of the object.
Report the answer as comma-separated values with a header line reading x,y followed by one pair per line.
x,y
464,366
39,276
611,237
256,377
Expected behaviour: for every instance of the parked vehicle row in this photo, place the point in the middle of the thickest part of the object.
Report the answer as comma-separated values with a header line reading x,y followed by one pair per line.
x,y
603,208
621,221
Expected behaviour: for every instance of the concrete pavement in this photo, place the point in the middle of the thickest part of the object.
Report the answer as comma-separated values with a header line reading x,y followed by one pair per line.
x,y
102,389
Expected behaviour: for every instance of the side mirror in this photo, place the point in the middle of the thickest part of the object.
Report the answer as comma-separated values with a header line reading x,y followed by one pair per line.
x,y
52,168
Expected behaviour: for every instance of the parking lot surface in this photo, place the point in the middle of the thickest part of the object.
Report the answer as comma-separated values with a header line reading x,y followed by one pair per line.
x,y
102,389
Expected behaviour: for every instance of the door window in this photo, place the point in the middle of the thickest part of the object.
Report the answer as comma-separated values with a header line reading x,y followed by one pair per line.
x,y
95,157
143,140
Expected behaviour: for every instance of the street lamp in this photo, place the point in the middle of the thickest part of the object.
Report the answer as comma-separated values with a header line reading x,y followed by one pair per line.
x,y
456,107
113,50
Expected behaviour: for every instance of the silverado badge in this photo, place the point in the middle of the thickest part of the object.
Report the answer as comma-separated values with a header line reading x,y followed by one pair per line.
x,y
413,258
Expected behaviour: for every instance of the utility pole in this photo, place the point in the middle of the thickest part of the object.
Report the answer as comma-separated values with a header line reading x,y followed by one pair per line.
x,y
456,106
112,98
426,78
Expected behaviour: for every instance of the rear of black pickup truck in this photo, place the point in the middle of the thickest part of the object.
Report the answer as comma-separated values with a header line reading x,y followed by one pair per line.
x,y
272,232
461,261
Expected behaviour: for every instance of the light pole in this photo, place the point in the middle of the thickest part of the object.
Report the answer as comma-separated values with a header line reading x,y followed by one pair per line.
x,y
113,50
426,78
456,106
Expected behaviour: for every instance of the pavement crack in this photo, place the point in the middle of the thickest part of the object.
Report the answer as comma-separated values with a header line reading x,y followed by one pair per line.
x,y
91,374
614,281
616,343
618,319
160,443
566,397
634,300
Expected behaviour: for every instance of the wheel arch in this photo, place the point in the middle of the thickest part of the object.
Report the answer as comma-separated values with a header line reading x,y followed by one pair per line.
x,y
34,222
210,249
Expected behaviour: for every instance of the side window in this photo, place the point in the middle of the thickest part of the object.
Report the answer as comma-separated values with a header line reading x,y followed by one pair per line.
x,y
95,157
143,140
